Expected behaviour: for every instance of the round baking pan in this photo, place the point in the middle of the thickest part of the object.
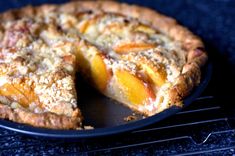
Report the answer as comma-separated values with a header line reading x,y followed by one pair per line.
x,y
107,116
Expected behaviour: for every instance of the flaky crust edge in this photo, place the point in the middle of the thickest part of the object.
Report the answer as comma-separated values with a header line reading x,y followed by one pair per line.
x,y
188,79
43,120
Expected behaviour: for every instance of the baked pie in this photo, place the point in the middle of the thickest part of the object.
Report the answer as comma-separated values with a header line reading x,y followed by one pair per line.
x,y
131,54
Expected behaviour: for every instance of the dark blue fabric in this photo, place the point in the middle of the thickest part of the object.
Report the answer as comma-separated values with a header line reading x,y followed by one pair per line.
x,y
214,22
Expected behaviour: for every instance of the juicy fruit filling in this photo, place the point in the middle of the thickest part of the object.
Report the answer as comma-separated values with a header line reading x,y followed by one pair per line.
x,y
99,72
134,88
22,93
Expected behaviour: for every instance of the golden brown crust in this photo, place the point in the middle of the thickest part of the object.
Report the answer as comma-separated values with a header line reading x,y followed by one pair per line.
x,y
190,75
45,120
185,82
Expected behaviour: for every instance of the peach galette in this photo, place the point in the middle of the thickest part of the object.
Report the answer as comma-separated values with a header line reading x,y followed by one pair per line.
x,y
131,54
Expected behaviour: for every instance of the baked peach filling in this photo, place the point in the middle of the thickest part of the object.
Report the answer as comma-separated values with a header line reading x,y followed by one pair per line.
x,y
99,72
123,48
145,29
86,26
21,93
157,74
136,91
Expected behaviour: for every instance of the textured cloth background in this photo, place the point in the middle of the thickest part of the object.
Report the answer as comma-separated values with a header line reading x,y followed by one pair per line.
x,y
212,20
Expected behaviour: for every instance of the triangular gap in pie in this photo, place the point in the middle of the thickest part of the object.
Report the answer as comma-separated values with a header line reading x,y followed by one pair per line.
x,y
133,55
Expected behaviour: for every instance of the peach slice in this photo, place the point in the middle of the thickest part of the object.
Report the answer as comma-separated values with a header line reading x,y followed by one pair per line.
x,y
21,93
136,90
124,48
157,73
115,28
99,72
91,64
84,25
145,29
88,24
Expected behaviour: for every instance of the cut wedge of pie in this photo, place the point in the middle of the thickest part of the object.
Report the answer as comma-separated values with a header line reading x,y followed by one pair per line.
x,y
131,54
38,65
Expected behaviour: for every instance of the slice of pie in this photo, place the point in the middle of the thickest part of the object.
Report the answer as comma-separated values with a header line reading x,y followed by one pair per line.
x,y
37,75
131,54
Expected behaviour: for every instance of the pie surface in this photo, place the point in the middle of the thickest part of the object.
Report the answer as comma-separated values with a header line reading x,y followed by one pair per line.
x,y
131,54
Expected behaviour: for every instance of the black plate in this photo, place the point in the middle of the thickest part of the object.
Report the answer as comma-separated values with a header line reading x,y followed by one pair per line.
x,y
105,115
